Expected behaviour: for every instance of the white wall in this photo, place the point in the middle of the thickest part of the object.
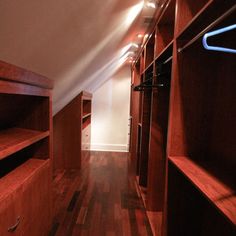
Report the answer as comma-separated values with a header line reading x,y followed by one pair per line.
x,y
110,113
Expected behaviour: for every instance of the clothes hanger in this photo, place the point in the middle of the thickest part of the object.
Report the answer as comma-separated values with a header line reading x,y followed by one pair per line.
x,y
217,32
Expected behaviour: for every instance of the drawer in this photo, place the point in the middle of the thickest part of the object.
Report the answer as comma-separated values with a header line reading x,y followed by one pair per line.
x,y
86,131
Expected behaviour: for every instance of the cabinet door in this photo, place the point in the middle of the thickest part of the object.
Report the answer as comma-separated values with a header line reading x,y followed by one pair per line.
x,y
27,210
10,215
36,204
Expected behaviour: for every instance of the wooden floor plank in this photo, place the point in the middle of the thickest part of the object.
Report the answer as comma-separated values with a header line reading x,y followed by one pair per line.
x,y
100,199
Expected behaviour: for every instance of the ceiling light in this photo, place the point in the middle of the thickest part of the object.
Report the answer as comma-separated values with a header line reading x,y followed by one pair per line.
x,y
140,35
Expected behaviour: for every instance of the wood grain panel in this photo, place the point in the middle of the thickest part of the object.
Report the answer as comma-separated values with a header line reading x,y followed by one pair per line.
x,y
68,125
15,139
218,193
17,74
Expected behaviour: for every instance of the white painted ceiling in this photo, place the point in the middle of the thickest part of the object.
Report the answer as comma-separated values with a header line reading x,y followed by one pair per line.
x,y
76,43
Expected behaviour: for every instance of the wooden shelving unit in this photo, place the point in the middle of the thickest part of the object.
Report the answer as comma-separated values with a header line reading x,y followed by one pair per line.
x,y
72,133
189,143
25,152
86,126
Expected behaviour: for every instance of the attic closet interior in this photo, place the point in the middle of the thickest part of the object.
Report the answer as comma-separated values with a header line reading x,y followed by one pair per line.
x,y
182,135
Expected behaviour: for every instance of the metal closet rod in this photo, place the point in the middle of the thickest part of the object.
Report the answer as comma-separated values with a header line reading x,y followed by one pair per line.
x,y
218,20
143,87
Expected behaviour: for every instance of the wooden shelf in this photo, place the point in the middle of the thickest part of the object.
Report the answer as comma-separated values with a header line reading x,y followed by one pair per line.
x,y
20,175
189,11
167,50
86,115
15,139
221,195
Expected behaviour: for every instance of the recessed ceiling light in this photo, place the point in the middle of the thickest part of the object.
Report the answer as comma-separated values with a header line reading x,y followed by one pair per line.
x,y
140,35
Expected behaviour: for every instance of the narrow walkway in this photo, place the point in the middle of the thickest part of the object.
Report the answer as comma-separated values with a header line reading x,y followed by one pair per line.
x,y
99,200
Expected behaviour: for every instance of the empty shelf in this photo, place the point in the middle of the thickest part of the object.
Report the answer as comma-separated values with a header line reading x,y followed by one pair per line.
x,y
15,139
221,195
86,115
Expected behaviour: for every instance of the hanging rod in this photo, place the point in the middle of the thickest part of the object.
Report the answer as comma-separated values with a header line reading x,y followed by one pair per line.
x,y
141,87
163,74
167,60
208,28
217,32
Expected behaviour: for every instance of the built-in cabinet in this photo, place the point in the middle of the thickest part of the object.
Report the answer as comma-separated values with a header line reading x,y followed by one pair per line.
x,y
72,129
183,119
25,152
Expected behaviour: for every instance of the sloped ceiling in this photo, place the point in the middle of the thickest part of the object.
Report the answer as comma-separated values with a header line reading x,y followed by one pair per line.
x,y
76,43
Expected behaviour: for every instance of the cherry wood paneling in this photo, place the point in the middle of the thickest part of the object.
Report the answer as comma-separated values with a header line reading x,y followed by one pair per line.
x,y
30,191
68,125
18,88
67,135
144,155
165,27
187,10
17,74
135,100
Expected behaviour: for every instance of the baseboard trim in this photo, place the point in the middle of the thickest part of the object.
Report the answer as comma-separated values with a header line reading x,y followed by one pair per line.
x,y
109,147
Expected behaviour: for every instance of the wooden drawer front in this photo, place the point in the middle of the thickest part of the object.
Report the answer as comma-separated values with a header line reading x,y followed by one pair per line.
x,y
31,202
86,133
86,138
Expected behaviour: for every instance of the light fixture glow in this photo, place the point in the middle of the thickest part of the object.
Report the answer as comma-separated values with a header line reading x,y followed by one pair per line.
x,y
146,35
151,4
140,35
135,45
133,13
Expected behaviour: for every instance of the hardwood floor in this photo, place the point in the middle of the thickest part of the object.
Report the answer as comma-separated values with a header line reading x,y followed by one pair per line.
x,y
101,199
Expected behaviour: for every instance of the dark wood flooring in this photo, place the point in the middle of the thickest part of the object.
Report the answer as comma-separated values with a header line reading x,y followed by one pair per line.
x,y
101,199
